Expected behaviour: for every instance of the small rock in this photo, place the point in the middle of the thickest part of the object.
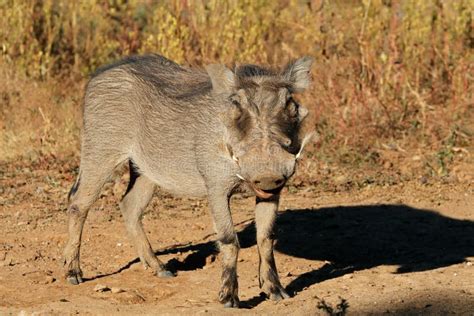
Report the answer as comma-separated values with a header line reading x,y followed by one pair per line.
x,y
387,165
347,276
423,180
5,263
48,279
101,288
210,259
117,290
288,274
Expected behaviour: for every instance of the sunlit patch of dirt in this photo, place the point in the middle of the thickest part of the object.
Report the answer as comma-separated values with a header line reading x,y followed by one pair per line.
x,y
402,247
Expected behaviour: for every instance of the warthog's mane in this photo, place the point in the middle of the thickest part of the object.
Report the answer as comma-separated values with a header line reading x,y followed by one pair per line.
x,y
185,83
254,76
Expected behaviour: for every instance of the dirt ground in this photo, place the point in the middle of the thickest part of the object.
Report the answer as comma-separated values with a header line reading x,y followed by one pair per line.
x,y
399,248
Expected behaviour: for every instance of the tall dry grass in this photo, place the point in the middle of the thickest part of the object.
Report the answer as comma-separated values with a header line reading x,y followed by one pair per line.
x,y
390,75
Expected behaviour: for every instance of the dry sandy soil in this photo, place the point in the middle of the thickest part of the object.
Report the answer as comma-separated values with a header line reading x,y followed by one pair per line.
x,y
403,248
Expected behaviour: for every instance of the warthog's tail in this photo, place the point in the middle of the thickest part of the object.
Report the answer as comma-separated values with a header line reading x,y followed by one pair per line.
x,y
74,188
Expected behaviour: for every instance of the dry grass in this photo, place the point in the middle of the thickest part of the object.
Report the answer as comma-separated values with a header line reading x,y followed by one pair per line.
x,y
391,79
37,117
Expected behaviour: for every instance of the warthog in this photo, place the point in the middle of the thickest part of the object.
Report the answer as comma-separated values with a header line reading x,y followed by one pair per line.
x,y
195,133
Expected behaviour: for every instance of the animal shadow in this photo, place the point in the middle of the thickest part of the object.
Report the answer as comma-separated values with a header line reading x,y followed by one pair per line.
x,y
350,238
354,238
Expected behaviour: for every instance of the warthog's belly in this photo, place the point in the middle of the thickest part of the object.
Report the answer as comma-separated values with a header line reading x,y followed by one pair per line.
x,y
181,185
178,177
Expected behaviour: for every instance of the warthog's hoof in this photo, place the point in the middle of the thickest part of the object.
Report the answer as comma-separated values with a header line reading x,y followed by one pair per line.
x,y
279,294
233,302
165,274
74,278
229,298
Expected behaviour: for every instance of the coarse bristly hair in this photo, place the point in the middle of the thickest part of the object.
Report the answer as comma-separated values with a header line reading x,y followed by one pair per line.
x,y
253,76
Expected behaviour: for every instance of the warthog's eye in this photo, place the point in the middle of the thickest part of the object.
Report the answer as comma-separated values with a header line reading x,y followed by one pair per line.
x,y
282,139
286,142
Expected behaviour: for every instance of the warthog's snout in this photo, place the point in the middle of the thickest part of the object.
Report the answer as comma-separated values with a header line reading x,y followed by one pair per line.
x,y
268,175
268,183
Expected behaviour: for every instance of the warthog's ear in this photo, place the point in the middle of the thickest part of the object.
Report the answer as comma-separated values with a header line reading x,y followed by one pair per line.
x,y
299,73
222,78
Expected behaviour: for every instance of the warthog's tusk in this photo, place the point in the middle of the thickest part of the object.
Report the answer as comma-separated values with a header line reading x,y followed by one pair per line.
x,y
303,143
235,158
240,177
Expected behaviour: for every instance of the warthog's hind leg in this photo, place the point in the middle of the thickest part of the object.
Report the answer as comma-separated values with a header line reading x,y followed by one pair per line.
x,y
83,194
138,195
265,215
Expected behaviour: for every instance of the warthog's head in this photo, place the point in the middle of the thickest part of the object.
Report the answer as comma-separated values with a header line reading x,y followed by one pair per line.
x,y
263,121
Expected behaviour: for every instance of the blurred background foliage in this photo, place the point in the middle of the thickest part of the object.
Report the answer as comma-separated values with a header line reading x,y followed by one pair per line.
x,y
389,75
45,38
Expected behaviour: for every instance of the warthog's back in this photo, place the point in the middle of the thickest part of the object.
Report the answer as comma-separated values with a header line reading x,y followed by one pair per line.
x,y
151,110
151,76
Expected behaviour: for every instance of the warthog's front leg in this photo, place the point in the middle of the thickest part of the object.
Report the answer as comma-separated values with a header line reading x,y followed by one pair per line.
x,y
265,215
229,248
